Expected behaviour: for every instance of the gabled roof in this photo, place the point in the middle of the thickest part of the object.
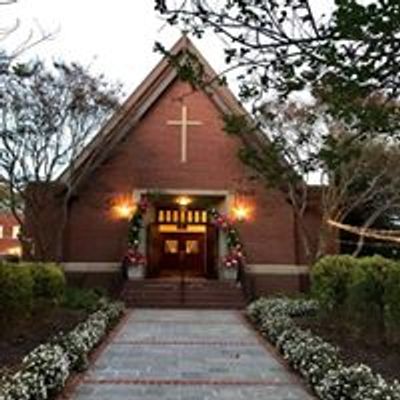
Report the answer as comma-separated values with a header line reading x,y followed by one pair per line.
x,y
136,106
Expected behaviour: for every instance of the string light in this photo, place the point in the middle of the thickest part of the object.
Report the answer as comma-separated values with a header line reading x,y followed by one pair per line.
x,y
380,234
367,244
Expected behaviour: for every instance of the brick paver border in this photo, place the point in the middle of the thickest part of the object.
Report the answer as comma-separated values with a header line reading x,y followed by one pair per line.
x,y
183,343
187,382
77,378
84,378
295,379
182,322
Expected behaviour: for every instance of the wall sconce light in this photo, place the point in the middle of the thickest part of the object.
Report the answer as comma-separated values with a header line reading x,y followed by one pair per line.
x,y
124,210
242,206
183,201
241,213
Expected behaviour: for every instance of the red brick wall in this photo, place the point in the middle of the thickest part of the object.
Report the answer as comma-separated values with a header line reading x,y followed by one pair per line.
x,y
149,157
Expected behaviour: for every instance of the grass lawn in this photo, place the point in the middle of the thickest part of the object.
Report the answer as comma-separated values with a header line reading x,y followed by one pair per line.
x,y
366,346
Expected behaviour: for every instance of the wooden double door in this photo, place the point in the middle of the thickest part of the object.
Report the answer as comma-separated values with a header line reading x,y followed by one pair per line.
x,y
182,253
176,253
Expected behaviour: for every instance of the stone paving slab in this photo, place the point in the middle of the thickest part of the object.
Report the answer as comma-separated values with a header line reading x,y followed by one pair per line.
x,y
172,315
187,354
183,331
201,392
187,361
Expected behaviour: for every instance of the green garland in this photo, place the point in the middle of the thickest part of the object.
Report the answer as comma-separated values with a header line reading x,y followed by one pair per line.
x,y
234,245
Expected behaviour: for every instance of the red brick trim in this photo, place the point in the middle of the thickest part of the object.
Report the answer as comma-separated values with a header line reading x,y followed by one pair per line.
x,y
295,379
191,322
188,382
77,378
183,343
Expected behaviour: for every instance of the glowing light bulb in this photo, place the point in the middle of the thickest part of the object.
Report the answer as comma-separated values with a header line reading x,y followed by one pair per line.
x,y
241,213
124,210
183,201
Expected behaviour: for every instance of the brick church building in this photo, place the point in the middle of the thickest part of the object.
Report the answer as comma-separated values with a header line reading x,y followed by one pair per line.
x,y
166,145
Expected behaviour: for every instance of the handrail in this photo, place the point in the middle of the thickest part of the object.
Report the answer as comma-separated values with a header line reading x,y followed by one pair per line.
x,y
241,278
182,277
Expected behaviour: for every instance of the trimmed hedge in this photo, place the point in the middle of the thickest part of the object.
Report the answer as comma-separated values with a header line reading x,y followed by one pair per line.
x,y
76,298
317,361
49,281
329,277
391,300
367,289
22,284
45,370
16,288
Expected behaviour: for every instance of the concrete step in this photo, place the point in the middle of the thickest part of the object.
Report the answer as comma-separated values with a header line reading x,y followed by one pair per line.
x,y
202,306
165,293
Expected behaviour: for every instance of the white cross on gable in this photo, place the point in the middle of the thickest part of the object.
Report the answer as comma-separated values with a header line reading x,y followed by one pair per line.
x,y
184,122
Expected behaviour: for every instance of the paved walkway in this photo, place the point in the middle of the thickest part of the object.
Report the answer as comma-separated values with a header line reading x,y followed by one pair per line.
x,y
191,355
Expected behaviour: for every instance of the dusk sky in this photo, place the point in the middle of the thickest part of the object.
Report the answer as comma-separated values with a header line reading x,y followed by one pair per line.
x,y
115,37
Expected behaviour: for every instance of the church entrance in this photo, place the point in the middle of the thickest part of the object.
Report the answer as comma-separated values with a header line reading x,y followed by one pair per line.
x,y
182,253
182,243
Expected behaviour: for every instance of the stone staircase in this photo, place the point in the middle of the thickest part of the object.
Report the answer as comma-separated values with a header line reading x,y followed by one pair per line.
x,y
194,293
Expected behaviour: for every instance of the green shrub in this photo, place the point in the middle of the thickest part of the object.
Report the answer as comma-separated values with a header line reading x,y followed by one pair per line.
x,y
366,285
365,293
49,281
22,284
329,277
82,299
367,289
16,288
392,303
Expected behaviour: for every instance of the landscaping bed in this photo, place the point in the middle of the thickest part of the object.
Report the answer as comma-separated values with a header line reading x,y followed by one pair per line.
x,y
317,361
47,330
345,340
20,335
35,303
369,348
44,371
359,309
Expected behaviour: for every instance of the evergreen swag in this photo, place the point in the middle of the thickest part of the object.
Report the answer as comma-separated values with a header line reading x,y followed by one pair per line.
x,y
235,254
134,257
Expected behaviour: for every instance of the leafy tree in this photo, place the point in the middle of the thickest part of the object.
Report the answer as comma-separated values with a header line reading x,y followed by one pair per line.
x,y
47,116
302,145
34,36
348,58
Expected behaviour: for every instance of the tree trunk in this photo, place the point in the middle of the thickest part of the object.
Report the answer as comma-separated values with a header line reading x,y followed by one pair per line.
x,y
327,233
367,224
359,247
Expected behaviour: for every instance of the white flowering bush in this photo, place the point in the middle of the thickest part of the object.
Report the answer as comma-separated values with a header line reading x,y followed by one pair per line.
x,y
356,382
45,370
24,385
316,360
281,307
273,316
87,334
308,354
